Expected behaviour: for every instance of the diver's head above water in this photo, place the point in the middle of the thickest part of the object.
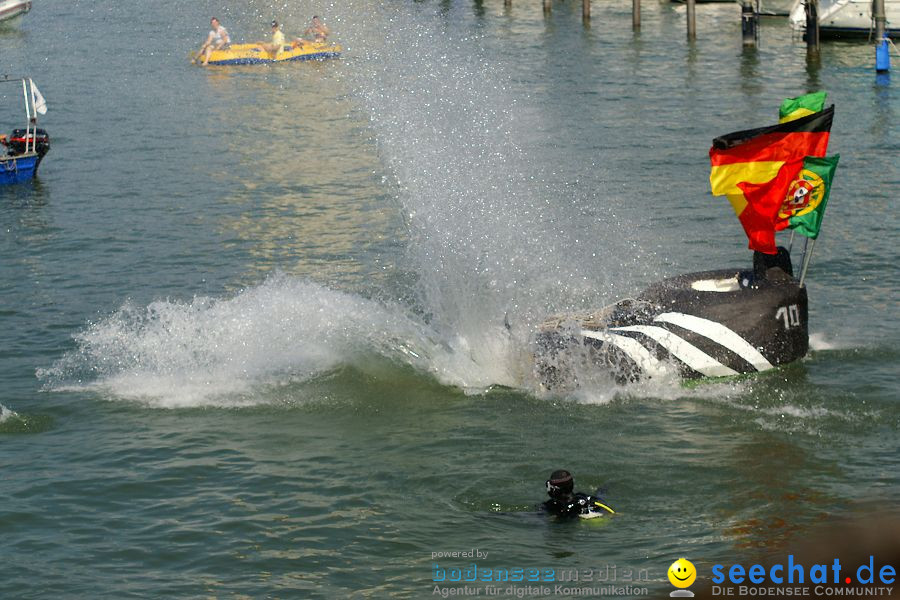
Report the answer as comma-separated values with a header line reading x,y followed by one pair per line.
x,y
561,484
565,502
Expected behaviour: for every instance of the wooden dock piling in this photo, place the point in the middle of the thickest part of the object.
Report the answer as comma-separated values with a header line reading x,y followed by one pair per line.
x,y
812,26
635,14
749,22
880,19
691,19
586,10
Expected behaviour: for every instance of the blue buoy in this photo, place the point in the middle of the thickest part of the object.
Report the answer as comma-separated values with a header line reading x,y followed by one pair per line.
x,y
882,56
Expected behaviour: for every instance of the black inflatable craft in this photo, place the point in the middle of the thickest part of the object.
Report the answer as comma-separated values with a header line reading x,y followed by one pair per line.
x,y
708,324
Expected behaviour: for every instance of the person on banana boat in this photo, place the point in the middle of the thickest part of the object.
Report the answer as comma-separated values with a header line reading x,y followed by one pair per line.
x,y
563,503
317,29
217,39
277,40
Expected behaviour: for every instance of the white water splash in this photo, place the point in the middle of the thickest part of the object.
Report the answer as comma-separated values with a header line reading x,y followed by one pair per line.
x,y
285,330
495,237
820,341
6,414
496,242
667,387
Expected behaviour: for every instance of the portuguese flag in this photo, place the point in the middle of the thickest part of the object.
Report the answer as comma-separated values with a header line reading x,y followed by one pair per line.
x,y
801,106
795,198
756,155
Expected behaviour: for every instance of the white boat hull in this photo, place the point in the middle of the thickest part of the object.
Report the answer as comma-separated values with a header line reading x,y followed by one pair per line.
x,y
849,17
13,9
776,8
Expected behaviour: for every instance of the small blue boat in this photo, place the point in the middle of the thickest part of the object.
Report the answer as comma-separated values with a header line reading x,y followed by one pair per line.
x,y
22,151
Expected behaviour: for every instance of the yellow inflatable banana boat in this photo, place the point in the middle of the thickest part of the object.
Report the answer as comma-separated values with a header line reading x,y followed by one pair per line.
x,y
252,54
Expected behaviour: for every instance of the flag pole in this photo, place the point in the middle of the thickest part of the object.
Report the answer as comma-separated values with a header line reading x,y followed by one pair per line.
x,y
805,248
791,242
34,113
27,114
806,257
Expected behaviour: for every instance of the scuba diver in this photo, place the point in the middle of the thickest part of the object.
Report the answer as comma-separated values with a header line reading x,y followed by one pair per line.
x,y
565,504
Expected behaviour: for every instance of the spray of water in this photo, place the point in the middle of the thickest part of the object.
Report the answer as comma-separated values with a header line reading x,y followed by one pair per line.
x,y
496,243
495,238
6,414
221,351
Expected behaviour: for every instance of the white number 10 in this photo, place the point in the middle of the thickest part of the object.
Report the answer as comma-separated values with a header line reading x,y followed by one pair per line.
x,y
790,315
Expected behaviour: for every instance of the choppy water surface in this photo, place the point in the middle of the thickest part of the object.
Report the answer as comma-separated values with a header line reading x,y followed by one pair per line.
x,y
253,318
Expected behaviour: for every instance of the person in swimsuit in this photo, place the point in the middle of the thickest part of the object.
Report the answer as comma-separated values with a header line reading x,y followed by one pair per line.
x,y
317,29
216,40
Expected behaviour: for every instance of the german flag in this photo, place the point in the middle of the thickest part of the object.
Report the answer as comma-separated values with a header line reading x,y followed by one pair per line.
x,y
756,155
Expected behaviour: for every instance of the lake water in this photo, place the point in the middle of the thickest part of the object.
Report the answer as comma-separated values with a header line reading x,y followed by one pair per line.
x,y
252,318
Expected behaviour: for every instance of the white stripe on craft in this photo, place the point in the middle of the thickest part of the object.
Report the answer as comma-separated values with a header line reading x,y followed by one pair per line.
x,y
719,334
632,348
684,351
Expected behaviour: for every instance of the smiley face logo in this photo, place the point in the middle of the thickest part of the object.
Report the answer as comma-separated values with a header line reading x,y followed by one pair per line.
x,y
682,573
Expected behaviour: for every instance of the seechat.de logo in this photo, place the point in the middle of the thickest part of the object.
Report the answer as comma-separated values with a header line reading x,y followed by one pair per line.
x,y
793,572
